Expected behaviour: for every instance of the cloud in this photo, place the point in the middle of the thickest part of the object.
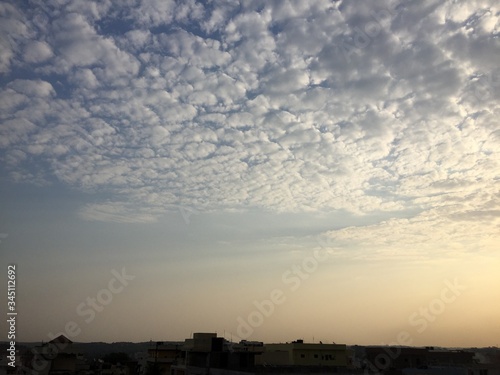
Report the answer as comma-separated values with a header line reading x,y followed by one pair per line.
x,y
435,233
79,45
117,212
31,88
36,52
379,109
12,32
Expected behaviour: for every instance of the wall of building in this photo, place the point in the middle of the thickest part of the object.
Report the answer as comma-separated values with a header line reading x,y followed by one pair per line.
x,y
277,358
301,354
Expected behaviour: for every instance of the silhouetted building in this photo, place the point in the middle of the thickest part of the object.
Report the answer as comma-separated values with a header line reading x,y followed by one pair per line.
x,y
404,360
57,357
162,355
330,357
10,365
206,353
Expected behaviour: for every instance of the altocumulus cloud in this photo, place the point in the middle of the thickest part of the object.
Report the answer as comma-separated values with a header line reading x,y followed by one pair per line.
x,y
283,106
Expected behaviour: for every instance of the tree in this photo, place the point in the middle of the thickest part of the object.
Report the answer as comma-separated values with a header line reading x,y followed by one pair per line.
x,y
115,358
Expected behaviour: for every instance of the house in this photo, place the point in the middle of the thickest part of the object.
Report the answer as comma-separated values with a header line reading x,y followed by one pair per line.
x,y
300,354
57,357
420,360
206,353
161,357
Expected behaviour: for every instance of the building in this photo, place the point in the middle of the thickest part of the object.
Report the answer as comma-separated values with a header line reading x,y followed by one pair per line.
x,y
162,355
488,361
9,365
428,360
300,354
206,353
57,357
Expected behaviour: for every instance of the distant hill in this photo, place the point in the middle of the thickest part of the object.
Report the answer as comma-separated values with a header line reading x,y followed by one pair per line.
x,y
94,350
99,349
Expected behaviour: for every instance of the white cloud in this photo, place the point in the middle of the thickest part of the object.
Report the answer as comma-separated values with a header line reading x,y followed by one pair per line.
x,y
13,30
36,52
10,100
15,130
32,88
436,233
85,78
296,106
154,12
78,44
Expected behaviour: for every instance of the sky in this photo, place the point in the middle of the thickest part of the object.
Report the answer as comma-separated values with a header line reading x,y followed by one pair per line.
x,y
266,170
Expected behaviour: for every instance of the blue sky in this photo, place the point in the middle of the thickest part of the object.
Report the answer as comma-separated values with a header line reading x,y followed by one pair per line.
x,y
343,154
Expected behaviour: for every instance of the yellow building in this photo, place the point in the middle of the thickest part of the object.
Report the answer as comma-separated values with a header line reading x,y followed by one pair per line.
x,y
162,355
298,353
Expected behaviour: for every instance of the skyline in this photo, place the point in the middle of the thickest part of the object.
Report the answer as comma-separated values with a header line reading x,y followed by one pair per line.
x,y
321,169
